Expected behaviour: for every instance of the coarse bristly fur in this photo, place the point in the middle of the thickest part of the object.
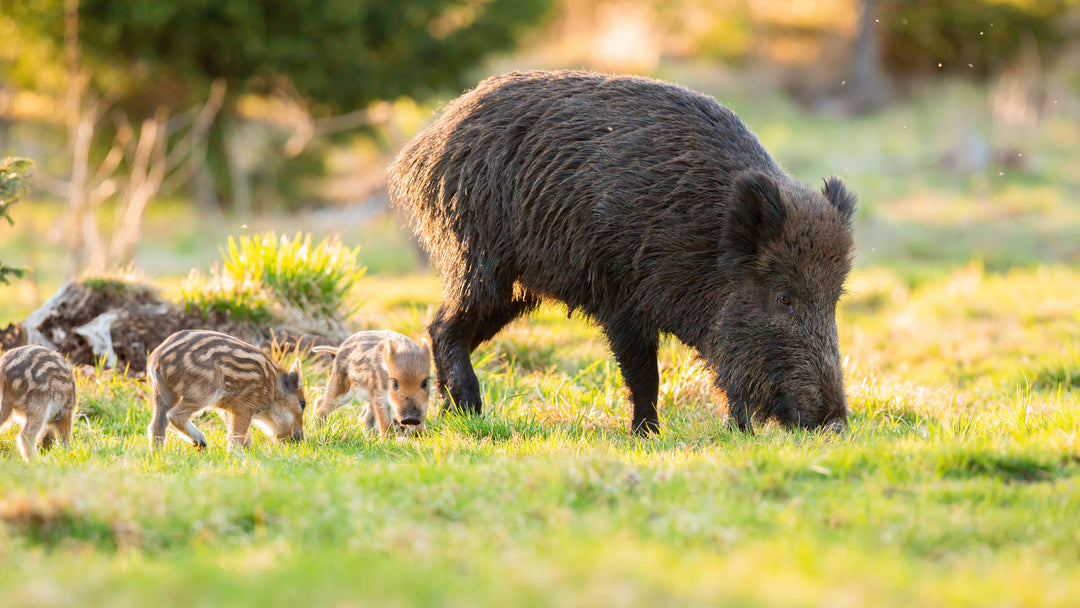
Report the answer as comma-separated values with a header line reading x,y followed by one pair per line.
x,y
194,370
652,209
37,387
388,371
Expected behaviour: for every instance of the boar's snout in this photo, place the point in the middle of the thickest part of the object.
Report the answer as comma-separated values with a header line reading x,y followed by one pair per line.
x,y
814,402
836,425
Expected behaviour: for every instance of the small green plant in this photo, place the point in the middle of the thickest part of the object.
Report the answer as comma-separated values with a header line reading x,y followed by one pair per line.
x,y
315,280
13,173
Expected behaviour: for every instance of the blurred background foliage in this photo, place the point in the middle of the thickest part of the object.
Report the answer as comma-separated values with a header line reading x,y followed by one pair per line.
x,y
304,60
215,115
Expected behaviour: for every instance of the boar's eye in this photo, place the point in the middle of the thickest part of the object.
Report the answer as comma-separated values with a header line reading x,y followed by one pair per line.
x,y
784,300
424,385
394,384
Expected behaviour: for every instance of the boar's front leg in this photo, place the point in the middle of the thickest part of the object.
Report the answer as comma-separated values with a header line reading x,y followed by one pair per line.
x,y
635,352
739,411
452,332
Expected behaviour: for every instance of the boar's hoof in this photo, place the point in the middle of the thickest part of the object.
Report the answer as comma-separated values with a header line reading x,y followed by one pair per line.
x,y
644,428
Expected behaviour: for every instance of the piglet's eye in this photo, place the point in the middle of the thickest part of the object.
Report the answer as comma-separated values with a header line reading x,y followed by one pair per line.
x,y
424,385
394,384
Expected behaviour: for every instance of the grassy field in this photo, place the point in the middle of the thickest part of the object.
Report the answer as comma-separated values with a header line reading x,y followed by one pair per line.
x,y
957,483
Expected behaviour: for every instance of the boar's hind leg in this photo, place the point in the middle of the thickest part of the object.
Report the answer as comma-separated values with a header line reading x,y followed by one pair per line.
x,y
635,353
452,333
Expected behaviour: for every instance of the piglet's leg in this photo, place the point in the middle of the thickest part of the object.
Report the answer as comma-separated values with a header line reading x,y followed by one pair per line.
x,y
337,390
368,416
63,429
180,418
383,419
239,425
5,409
163,400
31,433
59,428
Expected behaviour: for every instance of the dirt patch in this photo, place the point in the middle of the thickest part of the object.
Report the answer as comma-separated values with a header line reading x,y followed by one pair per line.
x,y
12,336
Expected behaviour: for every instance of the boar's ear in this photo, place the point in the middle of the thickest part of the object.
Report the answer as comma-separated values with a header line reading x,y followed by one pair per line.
x,y
756,213
836,193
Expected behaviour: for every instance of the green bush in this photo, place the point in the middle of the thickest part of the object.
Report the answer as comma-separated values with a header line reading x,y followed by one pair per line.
x,y
13,172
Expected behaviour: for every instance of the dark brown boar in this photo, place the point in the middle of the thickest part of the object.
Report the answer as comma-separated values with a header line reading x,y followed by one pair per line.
x,y
652,209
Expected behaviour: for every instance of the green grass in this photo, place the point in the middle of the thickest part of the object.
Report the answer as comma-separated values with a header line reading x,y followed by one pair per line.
x,y
957,483
941,493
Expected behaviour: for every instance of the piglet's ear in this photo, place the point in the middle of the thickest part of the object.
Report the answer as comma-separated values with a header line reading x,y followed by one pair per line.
x,y
836,193
425,345
289,382
755,215
388,353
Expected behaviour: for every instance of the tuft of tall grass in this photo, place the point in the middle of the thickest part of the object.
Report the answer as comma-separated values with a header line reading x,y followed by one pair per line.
x,y
263,277
313,279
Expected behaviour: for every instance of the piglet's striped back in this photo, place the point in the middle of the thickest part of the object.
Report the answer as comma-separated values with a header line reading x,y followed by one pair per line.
x,y
210,356
35,369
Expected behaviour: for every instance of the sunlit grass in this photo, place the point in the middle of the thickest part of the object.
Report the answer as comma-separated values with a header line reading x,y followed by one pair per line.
x,y
940,482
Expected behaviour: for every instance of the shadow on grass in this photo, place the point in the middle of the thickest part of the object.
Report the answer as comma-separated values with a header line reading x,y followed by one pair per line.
x,y
56,522
968,463
1059,374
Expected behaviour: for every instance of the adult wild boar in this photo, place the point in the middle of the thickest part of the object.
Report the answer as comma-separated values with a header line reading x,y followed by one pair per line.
x,y
651,208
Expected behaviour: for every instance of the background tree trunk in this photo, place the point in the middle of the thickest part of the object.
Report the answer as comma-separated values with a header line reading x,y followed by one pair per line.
x,y
870,89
